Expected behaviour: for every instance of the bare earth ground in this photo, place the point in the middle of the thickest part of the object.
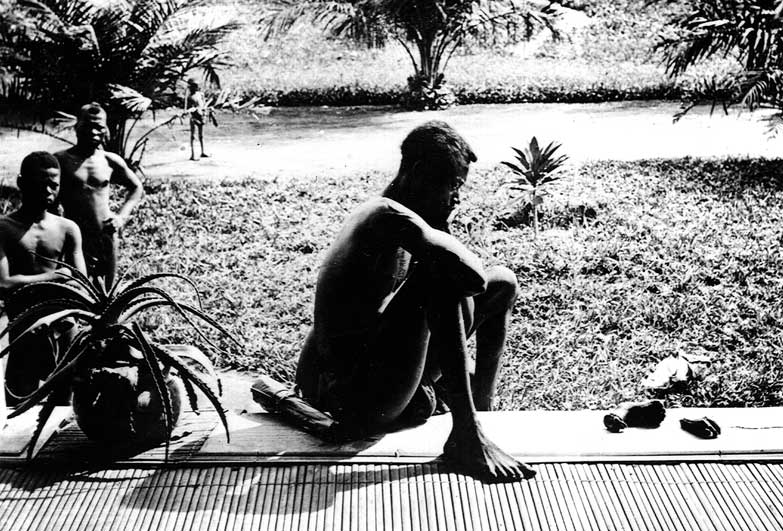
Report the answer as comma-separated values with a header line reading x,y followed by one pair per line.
x,y
281,142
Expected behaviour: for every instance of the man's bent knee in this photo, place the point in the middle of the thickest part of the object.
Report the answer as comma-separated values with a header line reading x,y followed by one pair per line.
x,y
503,284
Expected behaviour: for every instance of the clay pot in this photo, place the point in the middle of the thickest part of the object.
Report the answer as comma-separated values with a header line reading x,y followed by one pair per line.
x,y
120,404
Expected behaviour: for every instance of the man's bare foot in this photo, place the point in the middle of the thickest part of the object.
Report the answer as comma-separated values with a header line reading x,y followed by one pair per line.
x,y
204,156
193,157
473,454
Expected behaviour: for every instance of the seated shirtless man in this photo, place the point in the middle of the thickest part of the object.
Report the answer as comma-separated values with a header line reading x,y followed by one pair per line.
x,y
87,171
396,298
30,239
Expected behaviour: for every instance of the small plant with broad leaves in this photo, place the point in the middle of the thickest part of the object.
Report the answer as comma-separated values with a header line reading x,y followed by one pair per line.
x,y
536,170
123,390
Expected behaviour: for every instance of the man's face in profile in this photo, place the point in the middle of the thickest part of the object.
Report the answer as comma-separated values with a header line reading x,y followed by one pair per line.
x,y
440,196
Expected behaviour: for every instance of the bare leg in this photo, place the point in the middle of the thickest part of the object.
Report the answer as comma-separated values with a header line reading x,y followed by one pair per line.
x,y
201,140
111,260
467,447
192,139
487,315
492,314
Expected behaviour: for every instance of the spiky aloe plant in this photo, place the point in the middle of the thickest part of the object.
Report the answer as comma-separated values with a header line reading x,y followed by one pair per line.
x,y
536,170
105,318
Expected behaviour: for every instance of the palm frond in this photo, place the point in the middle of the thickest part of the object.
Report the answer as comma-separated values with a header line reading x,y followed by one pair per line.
x,y
43,416
127,98
75,275
57,378
157,276
115,309
159,380
37,310
48,321
55,290
186,372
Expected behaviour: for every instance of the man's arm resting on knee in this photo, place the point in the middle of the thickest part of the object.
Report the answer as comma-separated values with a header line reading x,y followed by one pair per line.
x,y
441,252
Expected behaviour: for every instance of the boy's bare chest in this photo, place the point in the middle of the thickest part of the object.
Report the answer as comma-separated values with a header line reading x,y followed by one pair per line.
x,y
92,172
38,239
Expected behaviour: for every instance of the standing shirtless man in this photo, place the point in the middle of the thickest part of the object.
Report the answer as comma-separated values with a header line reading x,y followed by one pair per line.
x,y
196,103
87,171
30,239
396,298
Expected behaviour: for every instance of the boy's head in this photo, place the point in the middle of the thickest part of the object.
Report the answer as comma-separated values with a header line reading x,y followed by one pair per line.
x,y
39,179
192,85
434,166
91,126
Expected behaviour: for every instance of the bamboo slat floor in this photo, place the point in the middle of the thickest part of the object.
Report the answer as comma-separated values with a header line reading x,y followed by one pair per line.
x,y
732,483
364,497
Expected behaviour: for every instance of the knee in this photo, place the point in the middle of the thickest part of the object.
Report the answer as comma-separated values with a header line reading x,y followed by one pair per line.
x,y
503,285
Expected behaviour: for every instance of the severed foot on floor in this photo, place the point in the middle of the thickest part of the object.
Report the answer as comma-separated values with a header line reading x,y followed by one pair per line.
x,y
614,423
647,414
470,452
703,428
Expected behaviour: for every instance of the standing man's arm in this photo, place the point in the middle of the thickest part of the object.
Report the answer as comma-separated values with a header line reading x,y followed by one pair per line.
x,y
124,176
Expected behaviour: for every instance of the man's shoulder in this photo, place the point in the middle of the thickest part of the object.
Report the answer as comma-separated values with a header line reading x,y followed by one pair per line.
x,y
382,205
113,159
63,154
63,223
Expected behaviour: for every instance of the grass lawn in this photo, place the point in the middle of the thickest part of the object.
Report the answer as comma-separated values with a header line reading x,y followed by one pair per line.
x,y
683,256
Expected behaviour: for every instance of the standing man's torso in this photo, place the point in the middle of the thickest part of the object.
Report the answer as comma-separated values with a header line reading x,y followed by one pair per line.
x,y
84,192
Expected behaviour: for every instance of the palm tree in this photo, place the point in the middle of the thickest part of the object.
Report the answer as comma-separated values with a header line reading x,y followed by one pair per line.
x,y
126,54
750,31
429,30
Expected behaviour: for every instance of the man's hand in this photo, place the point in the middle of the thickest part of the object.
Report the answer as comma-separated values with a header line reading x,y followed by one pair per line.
x,y
113,224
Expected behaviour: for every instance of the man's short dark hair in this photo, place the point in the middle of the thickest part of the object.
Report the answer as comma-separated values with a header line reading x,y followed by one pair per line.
x,y
37,161
91,111
438,144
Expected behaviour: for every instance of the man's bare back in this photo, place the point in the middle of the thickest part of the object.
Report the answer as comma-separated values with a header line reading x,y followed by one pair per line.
x,y
396,299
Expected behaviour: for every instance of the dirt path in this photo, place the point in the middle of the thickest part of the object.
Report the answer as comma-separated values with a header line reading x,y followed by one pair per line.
x,y
319,141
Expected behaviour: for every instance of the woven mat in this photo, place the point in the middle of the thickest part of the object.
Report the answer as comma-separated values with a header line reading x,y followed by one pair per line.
x,y
69,447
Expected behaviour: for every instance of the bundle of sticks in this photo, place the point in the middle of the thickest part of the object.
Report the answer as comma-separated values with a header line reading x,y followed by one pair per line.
x,y
284,400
